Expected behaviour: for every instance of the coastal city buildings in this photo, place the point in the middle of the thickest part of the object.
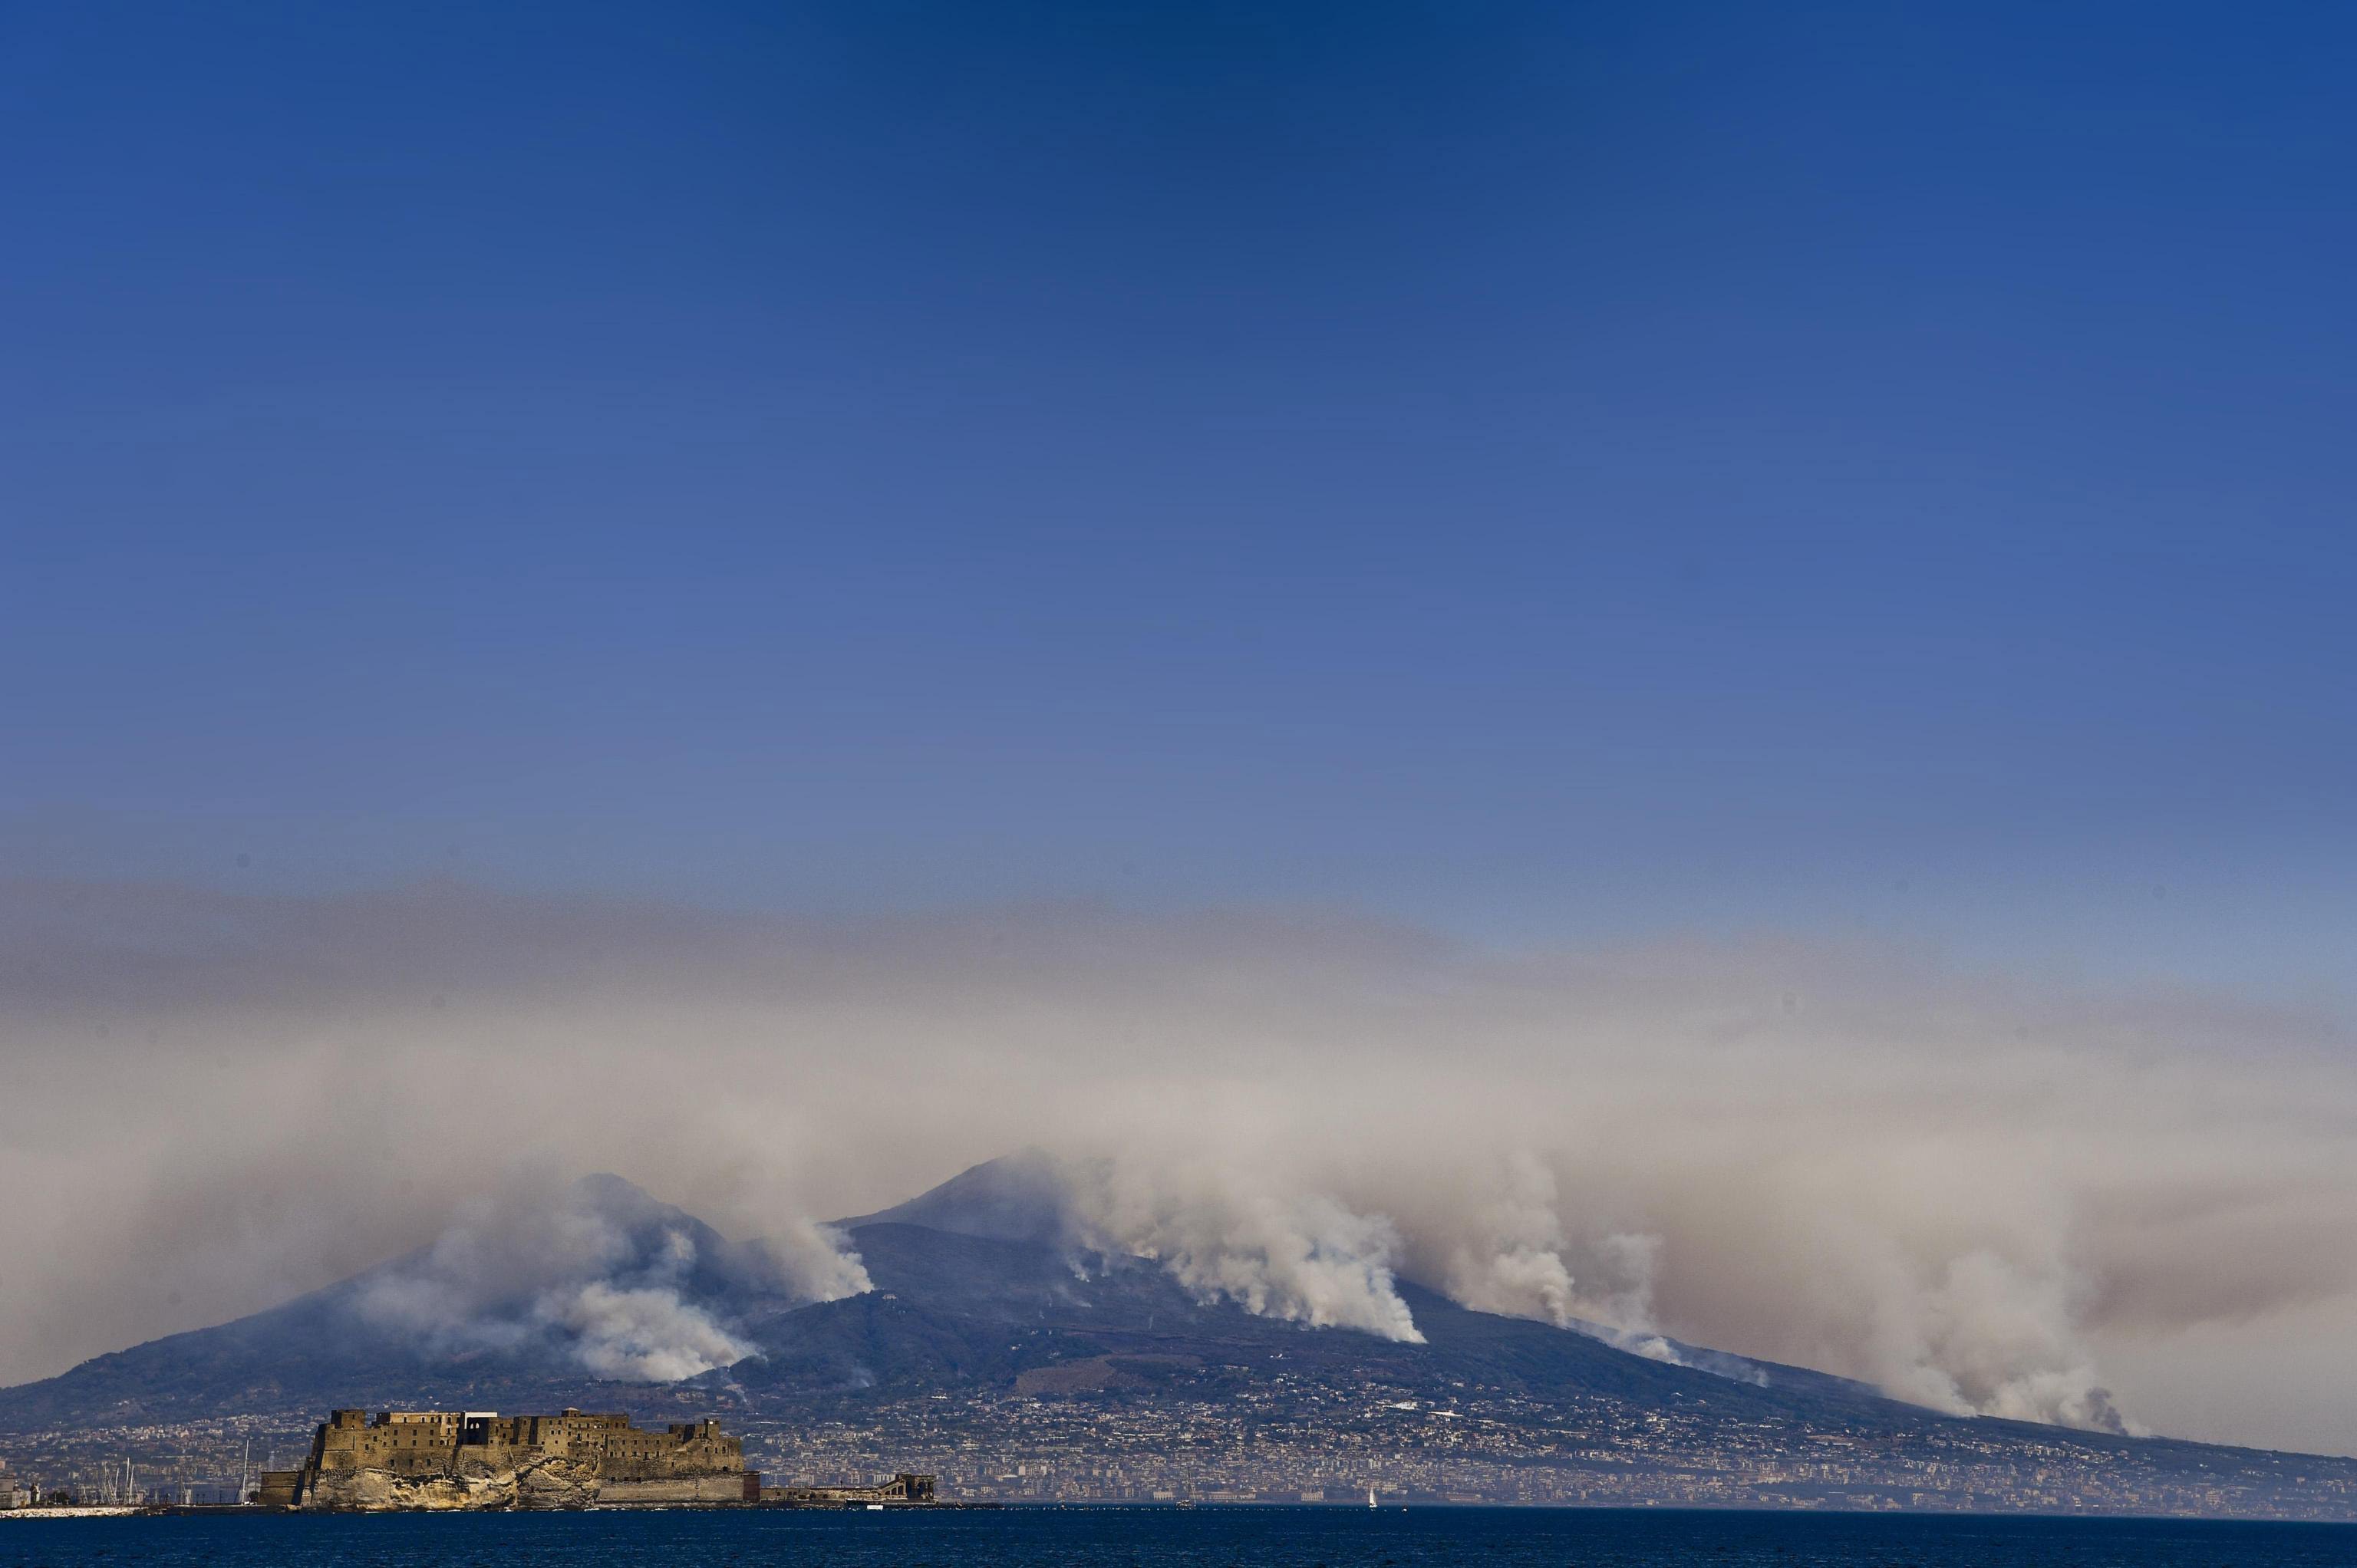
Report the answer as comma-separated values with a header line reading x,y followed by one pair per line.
x,y
1287,1440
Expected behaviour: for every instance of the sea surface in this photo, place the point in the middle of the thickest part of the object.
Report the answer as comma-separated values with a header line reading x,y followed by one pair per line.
x,y
1170,1537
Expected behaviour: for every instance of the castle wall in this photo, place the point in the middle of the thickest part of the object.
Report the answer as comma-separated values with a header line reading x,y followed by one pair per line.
x,y
722,1488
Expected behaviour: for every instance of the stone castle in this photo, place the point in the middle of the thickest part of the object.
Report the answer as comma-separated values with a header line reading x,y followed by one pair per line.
x,y
435,1459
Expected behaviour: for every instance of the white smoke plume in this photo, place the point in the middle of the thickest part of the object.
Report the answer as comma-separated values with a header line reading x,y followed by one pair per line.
x,y
645,1333
1976,1192
593,1272
804,1260
1300,1255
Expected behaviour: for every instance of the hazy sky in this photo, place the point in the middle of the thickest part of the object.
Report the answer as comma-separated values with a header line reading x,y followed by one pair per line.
x,y
1560,476
1549,469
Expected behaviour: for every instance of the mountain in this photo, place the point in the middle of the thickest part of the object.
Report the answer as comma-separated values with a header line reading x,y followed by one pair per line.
x,y
1020,1197
991,1349
953,1268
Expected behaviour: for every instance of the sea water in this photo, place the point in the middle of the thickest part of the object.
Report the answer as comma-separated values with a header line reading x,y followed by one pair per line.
x,y
1171,1538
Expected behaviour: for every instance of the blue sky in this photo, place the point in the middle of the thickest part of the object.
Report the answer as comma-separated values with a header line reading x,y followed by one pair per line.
x,y
1549,472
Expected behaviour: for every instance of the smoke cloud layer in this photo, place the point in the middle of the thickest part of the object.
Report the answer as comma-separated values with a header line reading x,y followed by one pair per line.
x,y
1980,1194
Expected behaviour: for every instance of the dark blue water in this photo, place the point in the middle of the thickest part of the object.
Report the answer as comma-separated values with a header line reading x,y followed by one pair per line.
x,y
1292,1538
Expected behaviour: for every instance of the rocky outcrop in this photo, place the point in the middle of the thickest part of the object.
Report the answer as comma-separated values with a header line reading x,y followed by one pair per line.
x,y
552,1483
557,1484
